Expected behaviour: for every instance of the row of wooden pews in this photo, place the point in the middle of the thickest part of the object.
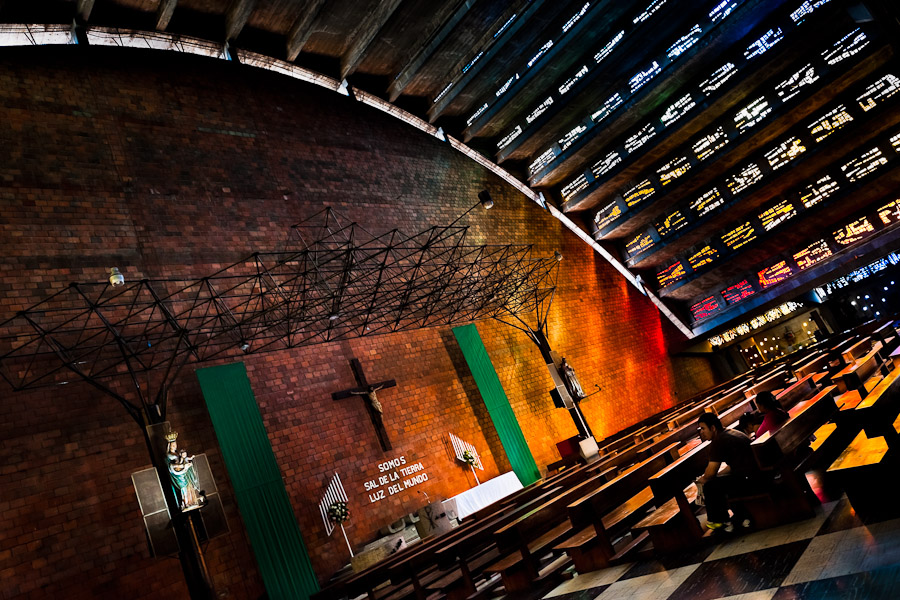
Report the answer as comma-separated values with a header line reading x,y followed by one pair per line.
x,y
641,491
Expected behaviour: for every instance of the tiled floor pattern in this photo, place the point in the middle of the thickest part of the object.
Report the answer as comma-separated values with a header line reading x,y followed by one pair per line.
x,y
833,555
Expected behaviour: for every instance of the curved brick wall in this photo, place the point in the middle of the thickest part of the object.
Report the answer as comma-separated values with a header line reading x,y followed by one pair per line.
x,y
170,165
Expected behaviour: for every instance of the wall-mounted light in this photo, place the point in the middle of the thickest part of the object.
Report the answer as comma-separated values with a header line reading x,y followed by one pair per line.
x,y
245,346
486,201
557,255
115,277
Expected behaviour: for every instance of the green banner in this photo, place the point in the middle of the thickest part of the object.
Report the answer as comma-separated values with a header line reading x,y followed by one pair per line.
x,y
261,496
497,404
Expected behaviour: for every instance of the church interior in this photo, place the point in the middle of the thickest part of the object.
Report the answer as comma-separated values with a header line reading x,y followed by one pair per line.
x,y
408,299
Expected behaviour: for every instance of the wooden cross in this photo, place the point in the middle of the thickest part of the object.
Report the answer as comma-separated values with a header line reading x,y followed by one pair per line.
x,y
367,391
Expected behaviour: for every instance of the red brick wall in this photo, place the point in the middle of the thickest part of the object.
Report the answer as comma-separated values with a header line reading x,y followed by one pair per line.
x,y
172,166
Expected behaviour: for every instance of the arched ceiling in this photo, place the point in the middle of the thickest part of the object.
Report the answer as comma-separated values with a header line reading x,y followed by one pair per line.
x,y
733,153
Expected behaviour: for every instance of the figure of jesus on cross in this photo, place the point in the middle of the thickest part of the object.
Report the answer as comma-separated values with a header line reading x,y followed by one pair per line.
x,y
373,405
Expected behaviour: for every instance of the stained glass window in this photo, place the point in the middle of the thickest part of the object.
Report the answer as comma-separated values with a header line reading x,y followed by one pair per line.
x,y
575,18
508,139
574,187
752,114
846,47
746,177
863,165
571,81
794,84
639,243
703,257
639,193
708,145
853,232
718,78
505,86
606,164
684,42
570,137
641,137
477,113
705,308
606,215
609,47
642,77
784,153
652,8
777,214
672,222
890,212
539,110
709,201
678,109
833,120
608,107
806,9
671,274
821,189
673,169
541,52
764,43
541,161
739,236
812,254
722,10
881,90
774,274
737,292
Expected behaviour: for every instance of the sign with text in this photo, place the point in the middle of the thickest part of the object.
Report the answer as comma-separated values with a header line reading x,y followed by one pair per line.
x,y
394,476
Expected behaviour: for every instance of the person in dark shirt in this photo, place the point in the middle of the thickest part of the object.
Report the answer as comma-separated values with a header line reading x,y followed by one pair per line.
x,y
739,477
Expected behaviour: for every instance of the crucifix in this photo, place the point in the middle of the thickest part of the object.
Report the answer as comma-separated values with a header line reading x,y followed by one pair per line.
x,y
367,391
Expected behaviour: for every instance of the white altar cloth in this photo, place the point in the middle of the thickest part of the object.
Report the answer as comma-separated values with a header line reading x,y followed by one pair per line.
x,y
490,491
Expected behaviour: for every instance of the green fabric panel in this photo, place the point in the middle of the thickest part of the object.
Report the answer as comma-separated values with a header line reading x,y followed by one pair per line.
x,y
497,404
261,496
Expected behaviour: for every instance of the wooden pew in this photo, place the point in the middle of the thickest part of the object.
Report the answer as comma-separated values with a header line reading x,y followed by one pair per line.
x,y
465,556
673,524
857,350
525,540
803,389
780,453
817,366
610,509
775,381
855,375
878,411
863,470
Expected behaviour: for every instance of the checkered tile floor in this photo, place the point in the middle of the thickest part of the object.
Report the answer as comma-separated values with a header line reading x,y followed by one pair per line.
x,y
834,555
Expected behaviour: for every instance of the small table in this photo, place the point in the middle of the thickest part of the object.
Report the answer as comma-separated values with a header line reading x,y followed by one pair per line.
x,y
490,491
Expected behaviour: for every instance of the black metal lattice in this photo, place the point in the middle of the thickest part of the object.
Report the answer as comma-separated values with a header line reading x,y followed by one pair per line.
x,y
334,281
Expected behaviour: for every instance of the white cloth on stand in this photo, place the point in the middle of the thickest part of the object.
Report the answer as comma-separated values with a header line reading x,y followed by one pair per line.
x,y
490,491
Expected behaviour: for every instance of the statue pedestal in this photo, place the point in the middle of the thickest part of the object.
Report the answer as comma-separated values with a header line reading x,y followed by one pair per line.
x,y
377,552
589,450
433,519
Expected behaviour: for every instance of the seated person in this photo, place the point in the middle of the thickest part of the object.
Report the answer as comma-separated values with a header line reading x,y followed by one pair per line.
x,y
750,422
740,477
775,415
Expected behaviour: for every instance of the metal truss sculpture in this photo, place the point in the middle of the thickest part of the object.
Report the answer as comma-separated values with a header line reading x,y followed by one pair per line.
x,y
334,281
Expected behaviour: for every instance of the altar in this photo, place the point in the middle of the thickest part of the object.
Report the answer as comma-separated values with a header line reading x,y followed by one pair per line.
x,y
490,491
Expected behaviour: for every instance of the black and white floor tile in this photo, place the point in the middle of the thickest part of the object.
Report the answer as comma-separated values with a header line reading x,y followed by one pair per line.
x,y
833,555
